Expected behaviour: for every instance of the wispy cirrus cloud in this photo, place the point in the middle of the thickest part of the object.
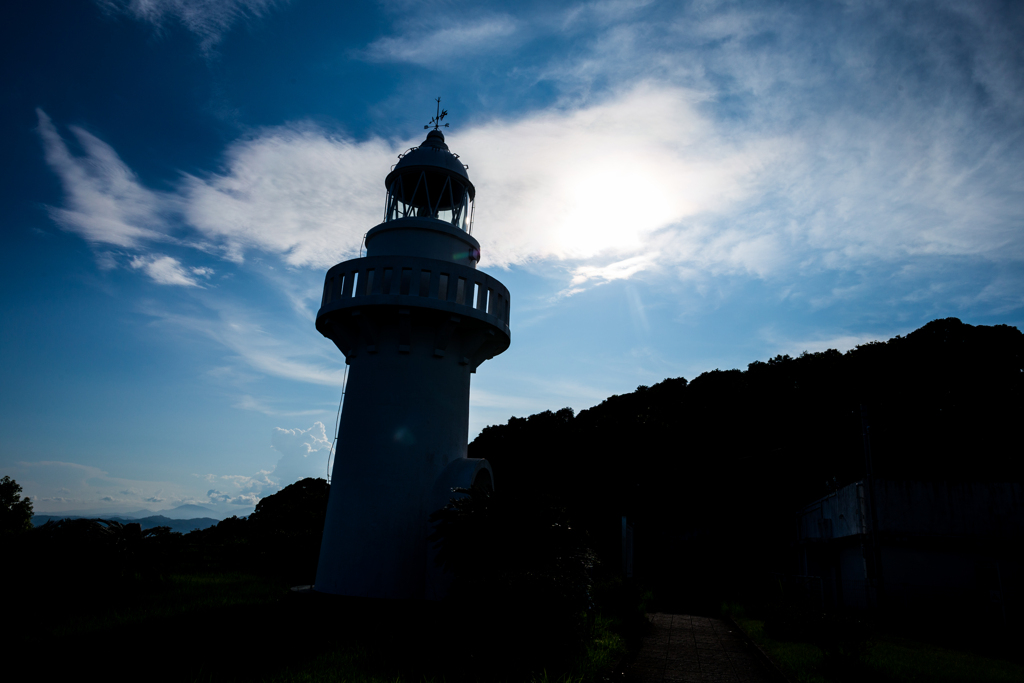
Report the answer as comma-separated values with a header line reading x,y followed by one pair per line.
x,y
57,486
260,348
209,20
447,44
104,200
293,191
248,402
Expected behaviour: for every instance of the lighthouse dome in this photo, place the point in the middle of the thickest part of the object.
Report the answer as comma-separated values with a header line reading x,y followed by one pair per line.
x,y
429,181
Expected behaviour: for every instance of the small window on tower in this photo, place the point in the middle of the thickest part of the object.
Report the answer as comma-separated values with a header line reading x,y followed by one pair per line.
x,y
460,293
327,292
424,283
355,283
406,280
442,287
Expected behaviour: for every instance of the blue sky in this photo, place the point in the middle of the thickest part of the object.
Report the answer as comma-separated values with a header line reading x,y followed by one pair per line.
x,y
665,187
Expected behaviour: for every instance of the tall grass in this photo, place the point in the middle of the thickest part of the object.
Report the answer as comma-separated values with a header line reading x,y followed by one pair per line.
x,y
887,658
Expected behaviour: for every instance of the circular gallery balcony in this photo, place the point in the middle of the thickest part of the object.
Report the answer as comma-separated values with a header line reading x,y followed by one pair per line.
x,y
361,294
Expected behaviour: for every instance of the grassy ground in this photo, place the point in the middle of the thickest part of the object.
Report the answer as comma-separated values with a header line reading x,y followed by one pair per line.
x,y
239,627
887,658
178,596
358,664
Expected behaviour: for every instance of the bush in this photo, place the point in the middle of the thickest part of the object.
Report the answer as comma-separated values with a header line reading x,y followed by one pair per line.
x,y
843,639
624,603
520,573
841,636
287,529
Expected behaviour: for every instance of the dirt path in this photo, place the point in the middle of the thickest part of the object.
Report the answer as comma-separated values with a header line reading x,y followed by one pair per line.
x,y
681,648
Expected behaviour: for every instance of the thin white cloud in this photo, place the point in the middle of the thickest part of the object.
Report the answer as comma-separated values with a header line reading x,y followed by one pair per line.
x,y
445,46
58,485
247,402
260,349
589,182
104,201
165,270
293,191
618,270
841,342
209,20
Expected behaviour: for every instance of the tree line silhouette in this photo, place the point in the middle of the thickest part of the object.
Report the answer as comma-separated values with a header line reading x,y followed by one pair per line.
x,y
97,563
711,471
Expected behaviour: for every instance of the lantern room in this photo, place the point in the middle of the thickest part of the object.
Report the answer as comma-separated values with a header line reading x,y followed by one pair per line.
x,y
429,181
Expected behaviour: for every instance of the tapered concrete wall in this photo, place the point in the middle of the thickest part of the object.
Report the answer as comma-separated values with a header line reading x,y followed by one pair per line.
x,y
413,329
405,419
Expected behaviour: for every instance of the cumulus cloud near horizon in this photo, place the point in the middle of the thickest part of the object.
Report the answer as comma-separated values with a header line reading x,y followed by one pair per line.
x,y
304,453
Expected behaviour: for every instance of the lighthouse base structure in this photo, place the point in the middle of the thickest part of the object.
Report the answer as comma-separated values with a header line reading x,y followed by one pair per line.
x,y
399,437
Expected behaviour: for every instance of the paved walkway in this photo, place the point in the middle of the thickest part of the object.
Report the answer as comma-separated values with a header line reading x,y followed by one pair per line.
x,y
681,648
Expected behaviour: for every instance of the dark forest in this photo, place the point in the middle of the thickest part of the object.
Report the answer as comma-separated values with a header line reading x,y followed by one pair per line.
x,y
711,471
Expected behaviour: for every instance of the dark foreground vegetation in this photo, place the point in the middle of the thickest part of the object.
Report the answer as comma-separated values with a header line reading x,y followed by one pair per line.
x,y
709,472
712,471
854,649
216,604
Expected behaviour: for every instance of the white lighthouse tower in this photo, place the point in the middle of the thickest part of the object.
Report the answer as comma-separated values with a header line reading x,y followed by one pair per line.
x,y
414,319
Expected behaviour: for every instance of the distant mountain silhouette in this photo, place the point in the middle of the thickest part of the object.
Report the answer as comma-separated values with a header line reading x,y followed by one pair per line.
x,y
188,511
180,525
138,514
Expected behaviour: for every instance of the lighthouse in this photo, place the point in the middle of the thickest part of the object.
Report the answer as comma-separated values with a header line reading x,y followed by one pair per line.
x,y
414,319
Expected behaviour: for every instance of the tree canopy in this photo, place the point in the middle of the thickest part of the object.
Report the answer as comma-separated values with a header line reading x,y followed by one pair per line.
x,y
15,511
728,458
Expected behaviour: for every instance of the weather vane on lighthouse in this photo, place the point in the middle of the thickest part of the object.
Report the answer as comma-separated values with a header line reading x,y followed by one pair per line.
x,y
436,121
